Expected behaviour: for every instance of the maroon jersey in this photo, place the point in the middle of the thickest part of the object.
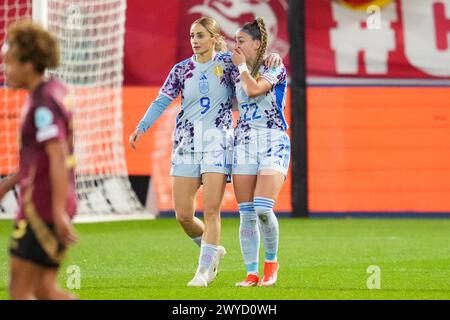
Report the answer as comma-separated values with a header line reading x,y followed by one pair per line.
x,y
45,119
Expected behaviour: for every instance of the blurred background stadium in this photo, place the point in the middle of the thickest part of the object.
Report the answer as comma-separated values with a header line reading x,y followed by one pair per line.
x,y
368,105
372,138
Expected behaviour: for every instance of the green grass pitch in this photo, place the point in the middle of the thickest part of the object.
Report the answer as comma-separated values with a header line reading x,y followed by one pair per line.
x,y
319,259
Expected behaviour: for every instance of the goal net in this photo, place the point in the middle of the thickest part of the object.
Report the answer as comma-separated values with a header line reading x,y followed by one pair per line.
x,y
91,36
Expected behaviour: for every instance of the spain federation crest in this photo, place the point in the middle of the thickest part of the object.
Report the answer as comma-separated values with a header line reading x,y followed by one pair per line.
x,y
203,85
218,70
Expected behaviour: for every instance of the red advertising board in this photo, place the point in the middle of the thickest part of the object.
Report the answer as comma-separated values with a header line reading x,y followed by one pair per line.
x,y
402,39
157,36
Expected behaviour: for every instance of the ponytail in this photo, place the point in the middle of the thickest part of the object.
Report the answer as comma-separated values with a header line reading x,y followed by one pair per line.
x,y
257,30
262,49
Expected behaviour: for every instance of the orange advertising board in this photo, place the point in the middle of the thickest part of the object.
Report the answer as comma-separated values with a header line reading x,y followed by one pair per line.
x,y
379,149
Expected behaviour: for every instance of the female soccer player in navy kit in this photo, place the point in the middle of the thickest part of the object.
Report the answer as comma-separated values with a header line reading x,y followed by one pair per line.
x,y
47,199
261,150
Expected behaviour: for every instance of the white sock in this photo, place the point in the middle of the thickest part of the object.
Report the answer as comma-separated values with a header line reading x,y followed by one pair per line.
x,y
249,236
207,253
269,226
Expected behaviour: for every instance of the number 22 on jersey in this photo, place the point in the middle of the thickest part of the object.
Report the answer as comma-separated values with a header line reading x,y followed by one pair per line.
x,y
251,112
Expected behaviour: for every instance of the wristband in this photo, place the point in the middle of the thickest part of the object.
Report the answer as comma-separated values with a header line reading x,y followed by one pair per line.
x,y
242,67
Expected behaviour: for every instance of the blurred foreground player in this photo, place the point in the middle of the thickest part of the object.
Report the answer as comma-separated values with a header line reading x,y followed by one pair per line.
x,y
47,199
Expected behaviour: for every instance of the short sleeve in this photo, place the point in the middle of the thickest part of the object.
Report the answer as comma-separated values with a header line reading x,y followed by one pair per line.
x,y
172,86
274,74
49,123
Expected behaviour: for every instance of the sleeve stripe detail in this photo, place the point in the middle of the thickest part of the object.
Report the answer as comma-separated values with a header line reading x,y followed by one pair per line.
x,y
47,133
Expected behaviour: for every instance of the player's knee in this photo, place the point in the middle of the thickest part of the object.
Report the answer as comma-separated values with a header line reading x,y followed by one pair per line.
x,y
184,219
262,213
211,212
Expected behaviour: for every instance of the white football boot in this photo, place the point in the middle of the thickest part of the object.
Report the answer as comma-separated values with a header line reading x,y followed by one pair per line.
x,y
199,280
213,269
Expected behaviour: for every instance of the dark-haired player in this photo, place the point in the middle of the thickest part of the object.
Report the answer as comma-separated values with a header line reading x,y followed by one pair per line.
x,y
47,199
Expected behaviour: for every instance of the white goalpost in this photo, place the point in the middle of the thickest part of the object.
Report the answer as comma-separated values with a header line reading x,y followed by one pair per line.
x,y
91,36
